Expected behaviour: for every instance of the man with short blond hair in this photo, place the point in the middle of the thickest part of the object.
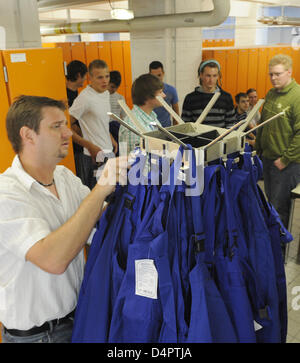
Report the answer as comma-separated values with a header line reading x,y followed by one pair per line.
x,y
90,109
279,141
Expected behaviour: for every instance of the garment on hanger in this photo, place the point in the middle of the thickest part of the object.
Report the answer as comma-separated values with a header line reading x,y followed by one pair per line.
x,y
167,267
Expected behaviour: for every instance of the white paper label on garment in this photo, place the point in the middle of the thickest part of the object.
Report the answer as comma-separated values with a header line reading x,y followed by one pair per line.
x,y
18,57
257,326
146,278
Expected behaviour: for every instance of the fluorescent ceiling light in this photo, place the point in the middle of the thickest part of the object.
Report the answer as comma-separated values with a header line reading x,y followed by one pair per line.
x,y
122,14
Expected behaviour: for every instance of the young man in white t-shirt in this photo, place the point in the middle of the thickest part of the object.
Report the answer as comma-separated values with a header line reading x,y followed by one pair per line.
x,y
90,109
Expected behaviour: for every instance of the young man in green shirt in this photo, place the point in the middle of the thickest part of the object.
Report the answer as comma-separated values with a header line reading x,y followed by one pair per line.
x,y
279,141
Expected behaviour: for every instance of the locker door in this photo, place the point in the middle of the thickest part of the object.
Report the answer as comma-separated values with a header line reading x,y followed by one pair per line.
x,y
205,43
295,54
220,56
78,53
66,49
252,69
105,53
242,79
37,72
91,52
207,54
127,72
231,72
262,73
6,151
117,60
286,50
270,54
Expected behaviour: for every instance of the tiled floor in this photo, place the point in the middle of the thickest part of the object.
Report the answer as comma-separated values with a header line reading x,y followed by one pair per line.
x,y
292,270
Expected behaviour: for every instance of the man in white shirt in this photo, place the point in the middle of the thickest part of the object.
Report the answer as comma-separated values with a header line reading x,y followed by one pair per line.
x,y
46,218
90,109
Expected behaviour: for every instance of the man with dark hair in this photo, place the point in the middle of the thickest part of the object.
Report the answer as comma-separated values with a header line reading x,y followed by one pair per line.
x,y
242,106
90,109
46,218
156,68
76,76
114,84
241,113
222,113
144,91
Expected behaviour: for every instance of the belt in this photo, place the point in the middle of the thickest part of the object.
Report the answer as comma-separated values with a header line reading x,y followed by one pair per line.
x,y
48,325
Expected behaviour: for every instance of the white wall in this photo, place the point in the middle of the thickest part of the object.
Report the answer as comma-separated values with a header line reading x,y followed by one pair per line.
x,y
21,22
179,50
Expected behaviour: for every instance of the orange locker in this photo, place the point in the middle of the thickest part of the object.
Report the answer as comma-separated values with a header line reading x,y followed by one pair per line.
x,y
105,53
66,49
207,54
91,52
295,54
231,72
270,54
48,45
218,43
210,43
6,150
78,53
127,72
230,42
262,72
205,43
252,69
286,50
117,59
242,78
37,72
220,56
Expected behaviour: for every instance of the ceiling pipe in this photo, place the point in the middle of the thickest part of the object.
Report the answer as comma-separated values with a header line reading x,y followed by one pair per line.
x,y
279,20
48,5
197,19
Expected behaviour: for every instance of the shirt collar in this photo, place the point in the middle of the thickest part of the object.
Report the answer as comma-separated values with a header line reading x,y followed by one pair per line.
x,y
144,117
24,178
288,87
91,89
200,89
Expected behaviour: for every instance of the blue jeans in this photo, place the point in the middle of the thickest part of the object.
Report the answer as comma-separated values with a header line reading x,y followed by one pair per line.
x,y
278,186
61,333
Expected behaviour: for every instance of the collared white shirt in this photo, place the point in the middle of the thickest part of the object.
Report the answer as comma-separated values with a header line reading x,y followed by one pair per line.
x,y
30,296
90,109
